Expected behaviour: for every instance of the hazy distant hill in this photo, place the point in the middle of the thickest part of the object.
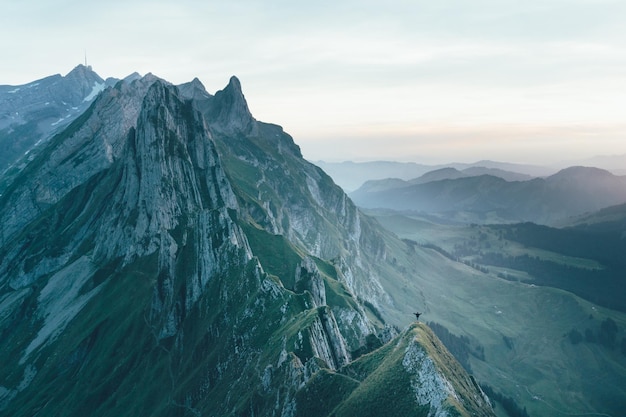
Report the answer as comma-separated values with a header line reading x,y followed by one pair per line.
x,y
497,172
450,173
437,175
614,163
486,198
352,175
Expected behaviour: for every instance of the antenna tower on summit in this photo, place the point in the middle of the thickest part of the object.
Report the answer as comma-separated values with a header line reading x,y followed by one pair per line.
x,y
87,66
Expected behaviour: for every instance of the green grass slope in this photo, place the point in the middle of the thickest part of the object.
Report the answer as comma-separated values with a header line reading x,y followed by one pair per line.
x,y
412,375
518,331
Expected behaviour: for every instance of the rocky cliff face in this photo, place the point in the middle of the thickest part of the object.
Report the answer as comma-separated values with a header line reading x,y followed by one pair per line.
x,y
284,194
167,254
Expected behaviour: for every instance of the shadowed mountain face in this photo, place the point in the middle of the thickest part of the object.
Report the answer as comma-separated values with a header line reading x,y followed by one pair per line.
x,y
167,254
487,198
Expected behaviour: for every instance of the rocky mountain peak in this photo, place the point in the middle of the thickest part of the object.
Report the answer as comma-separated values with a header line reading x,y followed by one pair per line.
x,y
82,71
229,111
235,85
86,82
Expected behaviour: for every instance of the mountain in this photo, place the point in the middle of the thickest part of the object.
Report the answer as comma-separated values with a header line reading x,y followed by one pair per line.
x,y
613,163
439,174
496,172
162,256
352,175
610,219
31,112
168,254
570,192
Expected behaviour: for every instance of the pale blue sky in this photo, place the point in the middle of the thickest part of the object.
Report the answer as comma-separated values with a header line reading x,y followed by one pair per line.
x,y
429,81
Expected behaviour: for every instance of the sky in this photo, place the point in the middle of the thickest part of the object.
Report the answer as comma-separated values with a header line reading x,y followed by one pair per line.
x,y
534,81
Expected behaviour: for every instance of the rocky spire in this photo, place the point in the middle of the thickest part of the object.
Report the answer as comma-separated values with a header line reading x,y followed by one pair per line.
x,y
229,111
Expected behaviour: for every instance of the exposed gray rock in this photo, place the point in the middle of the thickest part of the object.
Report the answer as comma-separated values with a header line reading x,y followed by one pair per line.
x,y
31,113
308,278
82,153
341,356
430,387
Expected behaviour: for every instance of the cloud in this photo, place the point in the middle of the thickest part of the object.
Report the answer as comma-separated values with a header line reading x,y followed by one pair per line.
x,y
328,70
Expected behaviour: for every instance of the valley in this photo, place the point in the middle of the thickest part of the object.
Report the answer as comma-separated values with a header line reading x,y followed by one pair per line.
x,y
526,315
539,264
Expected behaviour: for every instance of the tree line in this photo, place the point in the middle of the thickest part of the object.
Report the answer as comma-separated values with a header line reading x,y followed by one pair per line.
x,y
600,286
606,335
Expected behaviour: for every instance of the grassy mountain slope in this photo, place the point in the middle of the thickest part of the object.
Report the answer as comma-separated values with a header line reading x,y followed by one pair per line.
x,y
519,332
408,358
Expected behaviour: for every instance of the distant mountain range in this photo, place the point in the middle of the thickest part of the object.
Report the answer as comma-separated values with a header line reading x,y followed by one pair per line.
x,y
455,195
352,175
614,163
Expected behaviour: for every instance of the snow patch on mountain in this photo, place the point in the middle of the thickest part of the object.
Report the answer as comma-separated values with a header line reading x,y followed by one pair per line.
x,y
95,90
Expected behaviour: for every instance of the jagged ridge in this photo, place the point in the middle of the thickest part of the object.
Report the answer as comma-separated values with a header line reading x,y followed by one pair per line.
x,y
192,262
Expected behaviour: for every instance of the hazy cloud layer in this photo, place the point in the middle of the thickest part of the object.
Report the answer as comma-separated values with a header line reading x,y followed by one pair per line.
x,y
515,80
